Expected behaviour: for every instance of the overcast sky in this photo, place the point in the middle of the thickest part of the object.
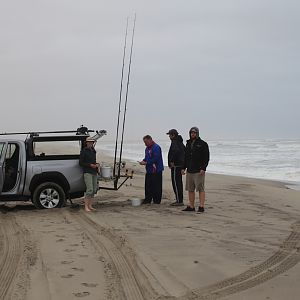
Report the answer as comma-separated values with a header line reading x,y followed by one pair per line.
x,y
230,67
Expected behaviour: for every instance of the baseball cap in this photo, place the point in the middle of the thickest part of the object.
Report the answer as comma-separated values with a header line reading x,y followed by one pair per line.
x,y
173,132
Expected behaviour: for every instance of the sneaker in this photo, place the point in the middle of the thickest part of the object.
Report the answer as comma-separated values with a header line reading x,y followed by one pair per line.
x,y
177,204
146,201
200,209
188,208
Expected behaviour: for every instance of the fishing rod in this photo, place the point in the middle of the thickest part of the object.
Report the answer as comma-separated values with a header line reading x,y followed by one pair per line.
x,y
120,100
126,98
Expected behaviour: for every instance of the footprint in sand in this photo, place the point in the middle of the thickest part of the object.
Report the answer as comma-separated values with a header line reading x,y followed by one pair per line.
x,y
67,276
83,255
60,236
82,294
66,262
69,250
74,245
89,284
78,269
60,240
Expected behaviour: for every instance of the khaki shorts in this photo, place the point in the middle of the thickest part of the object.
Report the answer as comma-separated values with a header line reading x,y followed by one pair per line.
x,y
91,184
194,181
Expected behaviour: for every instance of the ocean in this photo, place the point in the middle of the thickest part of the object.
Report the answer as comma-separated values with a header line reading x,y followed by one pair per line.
x,y
274,159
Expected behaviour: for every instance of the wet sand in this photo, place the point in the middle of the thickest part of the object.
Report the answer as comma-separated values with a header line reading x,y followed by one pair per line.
x,y
245,246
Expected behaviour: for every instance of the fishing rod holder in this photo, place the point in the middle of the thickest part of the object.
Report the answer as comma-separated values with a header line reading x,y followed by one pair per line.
x,y
116,185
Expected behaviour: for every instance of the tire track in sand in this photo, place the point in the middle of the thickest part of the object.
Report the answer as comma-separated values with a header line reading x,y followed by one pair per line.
x,y
11,256
284,259
133,287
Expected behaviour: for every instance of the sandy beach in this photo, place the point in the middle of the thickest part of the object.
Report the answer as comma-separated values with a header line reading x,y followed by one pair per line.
x,y
245,246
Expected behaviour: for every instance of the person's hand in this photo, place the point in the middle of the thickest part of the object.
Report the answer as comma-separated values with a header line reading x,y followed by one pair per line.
x,y
202,172
172,165
142,162
94,166
182,172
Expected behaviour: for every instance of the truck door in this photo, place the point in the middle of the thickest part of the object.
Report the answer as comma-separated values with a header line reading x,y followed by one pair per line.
x,y
11,167
2,154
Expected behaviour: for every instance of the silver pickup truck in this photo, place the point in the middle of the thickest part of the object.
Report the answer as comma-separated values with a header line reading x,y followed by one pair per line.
x,y
46,179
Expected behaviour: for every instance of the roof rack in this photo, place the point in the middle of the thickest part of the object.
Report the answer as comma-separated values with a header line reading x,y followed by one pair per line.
x,y
82,130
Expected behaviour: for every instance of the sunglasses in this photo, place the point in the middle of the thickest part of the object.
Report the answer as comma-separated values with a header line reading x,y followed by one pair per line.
x,y
193,132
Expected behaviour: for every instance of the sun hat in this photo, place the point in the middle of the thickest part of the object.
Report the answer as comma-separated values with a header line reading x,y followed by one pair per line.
x,y
90,139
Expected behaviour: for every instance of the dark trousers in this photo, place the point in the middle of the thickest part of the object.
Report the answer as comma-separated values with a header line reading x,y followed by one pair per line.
x,y
176,177
153,188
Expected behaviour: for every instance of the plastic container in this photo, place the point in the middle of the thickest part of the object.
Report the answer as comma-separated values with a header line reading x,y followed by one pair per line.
x,y
136,202
106,171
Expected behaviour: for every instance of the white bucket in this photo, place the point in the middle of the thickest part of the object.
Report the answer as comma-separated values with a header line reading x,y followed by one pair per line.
x,y
106,171
136,202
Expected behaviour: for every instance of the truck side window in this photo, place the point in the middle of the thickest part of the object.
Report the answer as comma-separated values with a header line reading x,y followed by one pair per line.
x,y
1,149
11,166
10,150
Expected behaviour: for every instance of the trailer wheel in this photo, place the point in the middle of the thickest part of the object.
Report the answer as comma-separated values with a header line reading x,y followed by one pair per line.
x,y
48,195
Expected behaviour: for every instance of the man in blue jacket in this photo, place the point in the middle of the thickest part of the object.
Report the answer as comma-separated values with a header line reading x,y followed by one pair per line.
x,y
154,167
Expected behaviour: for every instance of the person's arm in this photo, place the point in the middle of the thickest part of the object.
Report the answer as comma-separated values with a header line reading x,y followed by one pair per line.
x,y
172,155
206,158
181,155
143,162
185,159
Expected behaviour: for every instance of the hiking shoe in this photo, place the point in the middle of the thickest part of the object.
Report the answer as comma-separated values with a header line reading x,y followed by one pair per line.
x,y
200,209
188,208
177,204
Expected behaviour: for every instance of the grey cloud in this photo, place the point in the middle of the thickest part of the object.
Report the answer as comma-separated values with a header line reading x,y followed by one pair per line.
x,y
230,67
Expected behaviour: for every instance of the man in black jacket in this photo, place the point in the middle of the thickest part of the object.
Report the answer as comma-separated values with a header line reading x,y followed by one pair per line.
x,y
196,161
176,156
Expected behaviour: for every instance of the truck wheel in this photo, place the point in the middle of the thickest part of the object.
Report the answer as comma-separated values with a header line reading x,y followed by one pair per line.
x,y
48,195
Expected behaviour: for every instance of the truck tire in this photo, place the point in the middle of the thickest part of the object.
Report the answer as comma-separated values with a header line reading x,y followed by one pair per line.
x,y
48,195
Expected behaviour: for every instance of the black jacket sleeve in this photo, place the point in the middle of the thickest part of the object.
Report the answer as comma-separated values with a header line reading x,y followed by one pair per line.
x,y
204,157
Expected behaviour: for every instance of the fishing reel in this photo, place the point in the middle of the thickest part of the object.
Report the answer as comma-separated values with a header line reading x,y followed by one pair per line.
x,y
82,130
121,164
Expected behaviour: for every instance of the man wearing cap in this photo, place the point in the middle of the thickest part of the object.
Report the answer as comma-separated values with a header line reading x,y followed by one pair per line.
x,y
196,161
176,157
90,169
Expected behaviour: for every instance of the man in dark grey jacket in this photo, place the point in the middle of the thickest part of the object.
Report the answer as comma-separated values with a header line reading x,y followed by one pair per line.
x,y
176,157
196,161
90,169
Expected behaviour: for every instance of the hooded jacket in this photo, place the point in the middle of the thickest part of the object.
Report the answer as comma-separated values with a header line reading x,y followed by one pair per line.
x,y
176,154
196,154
